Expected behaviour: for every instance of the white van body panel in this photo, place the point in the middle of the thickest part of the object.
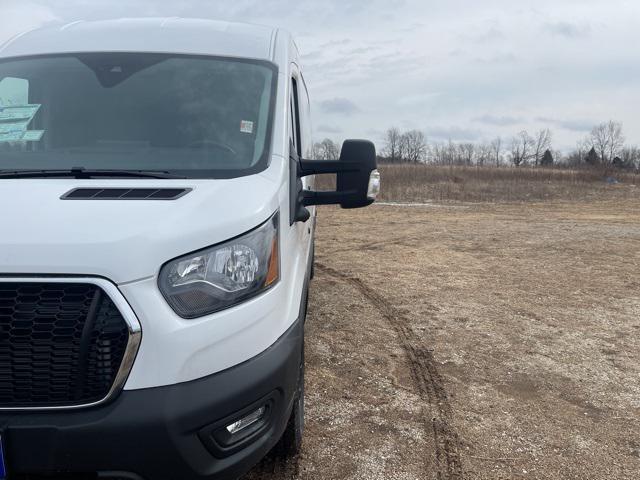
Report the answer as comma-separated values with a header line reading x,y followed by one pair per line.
x,y
127,242
157,35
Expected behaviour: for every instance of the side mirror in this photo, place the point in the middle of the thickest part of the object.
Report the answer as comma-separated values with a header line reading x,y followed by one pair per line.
x,y
358,182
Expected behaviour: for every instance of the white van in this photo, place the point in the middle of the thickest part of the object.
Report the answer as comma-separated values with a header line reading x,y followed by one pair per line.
x,y
156,247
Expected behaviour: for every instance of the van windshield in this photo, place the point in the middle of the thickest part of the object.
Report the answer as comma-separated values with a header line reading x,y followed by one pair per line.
x,y
199,117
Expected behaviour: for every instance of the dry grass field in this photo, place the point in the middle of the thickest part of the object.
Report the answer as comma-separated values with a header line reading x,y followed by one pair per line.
x,y
443,184
475,341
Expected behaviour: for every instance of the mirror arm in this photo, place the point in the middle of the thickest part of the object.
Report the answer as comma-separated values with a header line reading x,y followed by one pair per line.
x,y
312,198
320,167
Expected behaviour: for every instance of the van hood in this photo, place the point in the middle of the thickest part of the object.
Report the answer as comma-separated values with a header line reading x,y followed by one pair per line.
x,y
125,240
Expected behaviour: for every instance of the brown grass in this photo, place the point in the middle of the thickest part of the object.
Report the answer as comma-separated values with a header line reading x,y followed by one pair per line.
x,y
444,184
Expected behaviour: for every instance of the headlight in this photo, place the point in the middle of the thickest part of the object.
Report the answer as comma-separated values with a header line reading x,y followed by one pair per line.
x,y
220,277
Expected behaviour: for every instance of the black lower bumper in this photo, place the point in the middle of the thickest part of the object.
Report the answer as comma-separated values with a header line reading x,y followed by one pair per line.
x,y
161,433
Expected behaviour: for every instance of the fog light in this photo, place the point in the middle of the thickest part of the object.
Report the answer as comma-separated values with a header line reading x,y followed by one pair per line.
x,y
374,185
246,422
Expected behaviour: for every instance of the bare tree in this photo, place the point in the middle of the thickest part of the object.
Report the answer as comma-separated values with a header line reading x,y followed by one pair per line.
x,y
438,153
541,143
521,148
631,157
607,139
467,152
579,156
414,146
558,157
496,150
326,150
616,139
604,144
315,151
600,140
484,154
583,147
393,149
452,156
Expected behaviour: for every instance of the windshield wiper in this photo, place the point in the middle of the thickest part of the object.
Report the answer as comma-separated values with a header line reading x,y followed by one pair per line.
x,y
84,173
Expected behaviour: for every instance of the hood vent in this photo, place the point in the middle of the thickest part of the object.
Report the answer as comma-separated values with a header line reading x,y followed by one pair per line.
x,y
125,194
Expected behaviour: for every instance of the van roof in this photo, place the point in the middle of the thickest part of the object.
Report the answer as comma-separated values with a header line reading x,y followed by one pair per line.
x,y
154,35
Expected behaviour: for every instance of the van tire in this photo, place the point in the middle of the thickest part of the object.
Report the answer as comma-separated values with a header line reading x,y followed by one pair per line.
x,y
291,442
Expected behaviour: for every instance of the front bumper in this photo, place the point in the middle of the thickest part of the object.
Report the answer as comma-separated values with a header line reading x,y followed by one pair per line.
x,y
161,433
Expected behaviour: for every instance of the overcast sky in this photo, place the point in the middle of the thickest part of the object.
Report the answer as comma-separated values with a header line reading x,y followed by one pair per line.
x,y
464,70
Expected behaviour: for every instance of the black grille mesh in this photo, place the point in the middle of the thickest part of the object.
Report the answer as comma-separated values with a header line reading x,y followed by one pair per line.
x,y
61,344
126,194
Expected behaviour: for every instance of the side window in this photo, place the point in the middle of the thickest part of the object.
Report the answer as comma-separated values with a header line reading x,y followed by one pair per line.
x,y
295,118
305,120
293,140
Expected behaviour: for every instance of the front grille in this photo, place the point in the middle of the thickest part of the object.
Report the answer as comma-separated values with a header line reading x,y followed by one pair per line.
x,y
61,344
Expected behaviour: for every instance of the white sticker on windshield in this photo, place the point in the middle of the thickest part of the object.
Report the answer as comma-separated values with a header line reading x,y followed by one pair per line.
x,y
12,127
11,136
32,136
246,126
22,112
14,121
21,136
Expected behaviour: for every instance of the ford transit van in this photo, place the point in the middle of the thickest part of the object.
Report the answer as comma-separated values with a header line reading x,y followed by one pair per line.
x,y
157,219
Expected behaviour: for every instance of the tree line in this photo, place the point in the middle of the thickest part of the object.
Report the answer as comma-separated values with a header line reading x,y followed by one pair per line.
x,y
605,145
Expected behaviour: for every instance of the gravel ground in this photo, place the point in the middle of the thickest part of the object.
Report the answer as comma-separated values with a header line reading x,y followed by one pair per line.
x,y
475,342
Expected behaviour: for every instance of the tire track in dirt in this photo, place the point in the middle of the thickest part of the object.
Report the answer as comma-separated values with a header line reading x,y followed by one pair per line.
x,y
428,380
409,240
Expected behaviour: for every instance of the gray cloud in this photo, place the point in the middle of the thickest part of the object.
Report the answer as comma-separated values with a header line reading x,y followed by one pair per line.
x,y
417,99
335,43
457,134
494,33
339,105
498,58
329,129
312,56
498,121
567,29
411,28
571,125
360,50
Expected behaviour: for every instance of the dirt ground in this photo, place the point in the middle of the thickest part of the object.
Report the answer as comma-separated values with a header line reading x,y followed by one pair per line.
x,y
475,342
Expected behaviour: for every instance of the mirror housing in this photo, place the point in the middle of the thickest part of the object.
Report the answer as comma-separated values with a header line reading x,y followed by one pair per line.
x,y
358,180
356,170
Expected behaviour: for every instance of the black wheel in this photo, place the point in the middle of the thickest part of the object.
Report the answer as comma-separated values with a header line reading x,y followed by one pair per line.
x,y
291,441
313,263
